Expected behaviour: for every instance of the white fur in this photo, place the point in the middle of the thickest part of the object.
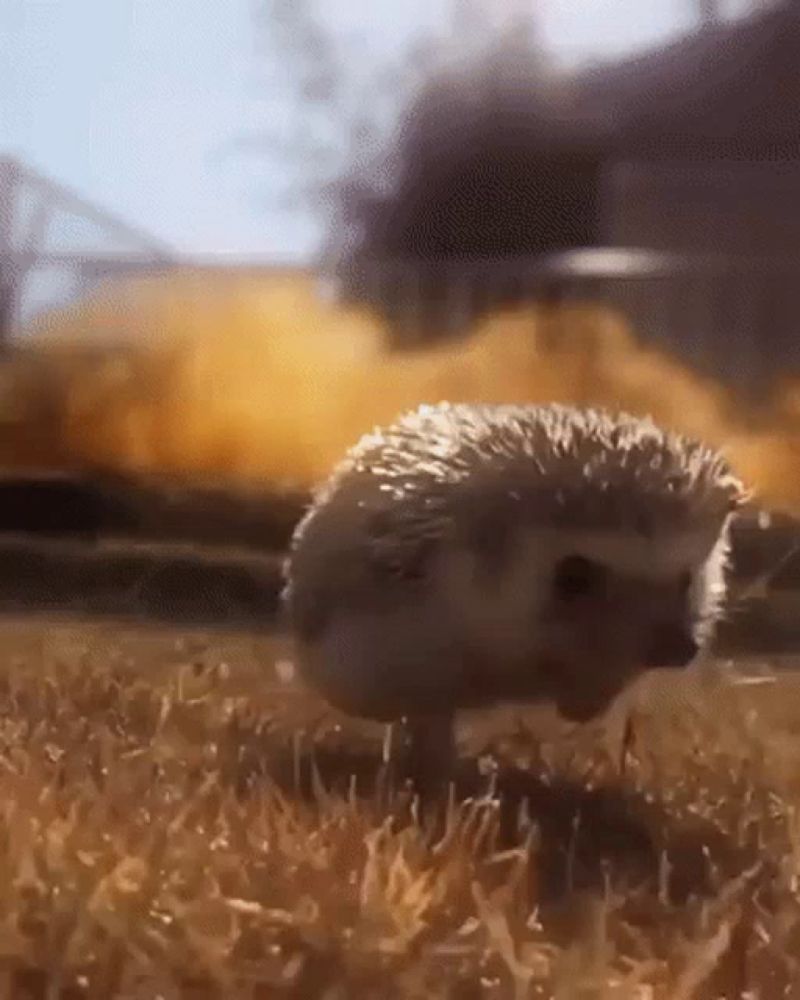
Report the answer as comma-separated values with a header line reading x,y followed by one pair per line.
x,y
505,608
368,661
362,660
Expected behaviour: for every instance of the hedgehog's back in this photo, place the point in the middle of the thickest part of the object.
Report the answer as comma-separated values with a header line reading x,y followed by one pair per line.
x,y
470,475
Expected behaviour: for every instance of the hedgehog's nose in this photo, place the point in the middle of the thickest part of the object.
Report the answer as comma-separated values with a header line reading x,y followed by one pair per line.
x,y
670,645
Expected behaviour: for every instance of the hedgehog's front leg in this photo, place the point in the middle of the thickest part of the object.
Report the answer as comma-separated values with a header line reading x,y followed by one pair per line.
x,y
432,756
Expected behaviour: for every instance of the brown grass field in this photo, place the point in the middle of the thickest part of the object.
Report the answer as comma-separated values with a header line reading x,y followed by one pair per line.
x,y
181,819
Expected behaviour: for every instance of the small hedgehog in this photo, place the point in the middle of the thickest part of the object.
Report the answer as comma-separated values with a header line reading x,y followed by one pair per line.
x,y
469,555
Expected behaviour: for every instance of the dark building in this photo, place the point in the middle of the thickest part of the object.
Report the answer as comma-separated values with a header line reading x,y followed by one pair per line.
x,y
702,158
691,148
702,139
489,165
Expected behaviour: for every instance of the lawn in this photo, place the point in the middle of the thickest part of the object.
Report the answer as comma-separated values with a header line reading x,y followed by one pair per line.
x,y
179,818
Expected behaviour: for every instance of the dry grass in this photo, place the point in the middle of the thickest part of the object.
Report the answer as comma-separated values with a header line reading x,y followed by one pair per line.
x,y
163,833
263,381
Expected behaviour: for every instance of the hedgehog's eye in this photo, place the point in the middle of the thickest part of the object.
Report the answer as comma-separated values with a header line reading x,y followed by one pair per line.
x,y
685,581
575,576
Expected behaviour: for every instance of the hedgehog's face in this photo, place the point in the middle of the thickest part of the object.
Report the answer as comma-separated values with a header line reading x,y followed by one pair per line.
x,y
618,606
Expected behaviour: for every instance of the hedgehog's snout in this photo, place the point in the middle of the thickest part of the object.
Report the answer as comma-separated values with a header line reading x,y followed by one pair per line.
x,y
670,644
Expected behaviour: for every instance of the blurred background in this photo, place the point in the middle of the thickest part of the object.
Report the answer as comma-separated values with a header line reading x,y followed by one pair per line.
x,y
234,237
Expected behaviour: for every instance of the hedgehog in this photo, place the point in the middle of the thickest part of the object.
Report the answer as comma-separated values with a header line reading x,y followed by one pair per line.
x,y
470,555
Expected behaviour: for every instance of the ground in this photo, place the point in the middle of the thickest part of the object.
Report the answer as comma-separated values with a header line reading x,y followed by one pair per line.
x,y
179,818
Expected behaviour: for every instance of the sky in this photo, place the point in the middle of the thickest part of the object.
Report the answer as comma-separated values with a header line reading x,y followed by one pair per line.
x,y
133,103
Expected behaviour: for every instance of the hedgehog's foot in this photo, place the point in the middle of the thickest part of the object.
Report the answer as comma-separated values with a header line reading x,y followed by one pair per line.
x,y
387,783
627,743
431,760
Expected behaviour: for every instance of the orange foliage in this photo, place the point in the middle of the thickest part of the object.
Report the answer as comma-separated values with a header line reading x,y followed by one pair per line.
x,y
234,377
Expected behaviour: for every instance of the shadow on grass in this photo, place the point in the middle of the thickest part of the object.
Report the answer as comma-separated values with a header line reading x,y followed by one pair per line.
x,y
586,837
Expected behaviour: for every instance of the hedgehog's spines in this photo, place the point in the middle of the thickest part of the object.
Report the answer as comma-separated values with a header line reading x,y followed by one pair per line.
x,y
570,447
403,491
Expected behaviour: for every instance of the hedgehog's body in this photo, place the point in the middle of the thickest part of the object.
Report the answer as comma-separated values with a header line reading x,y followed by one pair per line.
x,y
473,554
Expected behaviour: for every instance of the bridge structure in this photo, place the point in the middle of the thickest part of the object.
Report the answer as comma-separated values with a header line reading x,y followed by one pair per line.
x,y
55,245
